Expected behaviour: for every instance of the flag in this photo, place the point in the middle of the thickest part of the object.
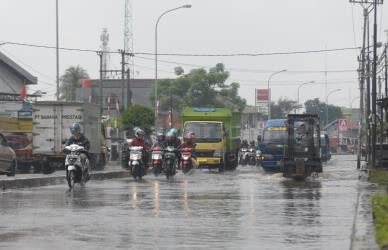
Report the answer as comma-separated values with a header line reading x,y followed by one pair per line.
x,y
23,94
86,83
170,119
158,105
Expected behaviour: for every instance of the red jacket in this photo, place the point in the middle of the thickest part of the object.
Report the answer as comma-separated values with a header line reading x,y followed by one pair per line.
x,y
139,143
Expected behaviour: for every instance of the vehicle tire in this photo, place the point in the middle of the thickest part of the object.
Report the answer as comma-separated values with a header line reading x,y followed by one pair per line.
x,y
46,168
71,179
12,169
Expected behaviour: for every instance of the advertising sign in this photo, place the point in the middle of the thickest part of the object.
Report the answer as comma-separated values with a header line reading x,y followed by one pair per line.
x,y
262,95
262,98
343,125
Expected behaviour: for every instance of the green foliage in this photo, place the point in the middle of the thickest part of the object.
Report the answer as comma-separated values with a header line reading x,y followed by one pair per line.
x,y
315,106
137,116
200,88
282,108
378,176
71,80
380,216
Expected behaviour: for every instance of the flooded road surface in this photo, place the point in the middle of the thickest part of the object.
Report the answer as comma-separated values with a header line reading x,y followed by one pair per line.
x,y
244,209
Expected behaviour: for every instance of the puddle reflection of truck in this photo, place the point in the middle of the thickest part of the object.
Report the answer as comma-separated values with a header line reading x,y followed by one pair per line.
x,y
51,127
217,133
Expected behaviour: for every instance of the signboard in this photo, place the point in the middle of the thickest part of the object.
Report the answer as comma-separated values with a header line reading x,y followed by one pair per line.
x,y
262,95
342,125
261,99
262,108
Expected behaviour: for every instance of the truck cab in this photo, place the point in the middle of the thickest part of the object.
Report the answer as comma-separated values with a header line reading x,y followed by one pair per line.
x,y
272,143
216,135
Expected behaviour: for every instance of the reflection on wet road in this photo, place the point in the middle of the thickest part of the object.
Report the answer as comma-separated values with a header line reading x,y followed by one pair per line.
x,y
244,209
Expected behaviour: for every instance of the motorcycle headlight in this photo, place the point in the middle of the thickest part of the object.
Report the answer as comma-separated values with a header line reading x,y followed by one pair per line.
x,y
185,157
258,153
218,153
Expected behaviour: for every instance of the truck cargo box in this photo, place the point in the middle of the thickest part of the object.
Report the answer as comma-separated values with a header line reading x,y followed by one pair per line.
x,y
52,121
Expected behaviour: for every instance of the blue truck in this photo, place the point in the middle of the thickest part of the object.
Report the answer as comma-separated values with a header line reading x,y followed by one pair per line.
x,y
271,144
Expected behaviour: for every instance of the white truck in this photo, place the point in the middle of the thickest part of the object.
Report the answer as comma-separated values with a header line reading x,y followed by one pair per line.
x,y
51,128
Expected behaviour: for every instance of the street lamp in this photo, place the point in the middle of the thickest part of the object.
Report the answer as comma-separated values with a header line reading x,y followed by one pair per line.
x,y
186,6
327,104
269,92
301,86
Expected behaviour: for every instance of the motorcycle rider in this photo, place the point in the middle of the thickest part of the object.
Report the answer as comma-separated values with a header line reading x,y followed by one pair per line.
x,y
172,138
252,144
189,142
79,138
244,144
138,141
160,140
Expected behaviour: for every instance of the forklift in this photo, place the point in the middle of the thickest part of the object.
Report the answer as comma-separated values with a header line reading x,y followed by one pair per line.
x,y
302,150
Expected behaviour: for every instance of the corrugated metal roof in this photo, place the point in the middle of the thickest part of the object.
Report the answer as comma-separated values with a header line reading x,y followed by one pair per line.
x,y
30,79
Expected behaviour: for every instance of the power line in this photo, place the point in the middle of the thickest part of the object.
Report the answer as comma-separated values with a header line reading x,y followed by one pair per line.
x,y
250,70
187,54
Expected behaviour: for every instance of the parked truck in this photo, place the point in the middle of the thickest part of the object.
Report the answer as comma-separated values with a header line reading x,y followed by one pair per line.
x,y
51,128
16,126
217,133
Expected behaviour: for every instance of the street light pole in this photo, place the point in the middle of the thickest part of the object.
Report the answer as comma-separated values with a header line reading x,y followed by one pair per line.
x,y
57,48
269,91
156,55
327,105
300,87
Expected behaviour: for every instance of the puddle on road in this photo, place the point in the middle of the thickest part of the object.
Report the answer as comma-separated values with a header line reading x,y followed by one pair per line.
x,y
244,209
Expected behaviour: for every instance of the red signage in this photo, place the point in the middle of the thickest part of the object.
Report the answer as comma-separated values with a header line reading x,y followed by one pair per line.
x,y
262,95
343,125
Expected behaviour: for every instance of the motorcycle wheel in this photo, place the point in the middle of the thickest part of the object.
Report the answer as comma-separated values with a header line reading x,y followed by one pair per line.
x,y
71,179
186,169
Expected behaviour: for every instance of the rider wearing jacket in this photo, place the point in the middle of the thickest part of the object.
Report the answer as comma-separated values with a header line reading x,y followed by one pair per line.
x,y
79,139
189,142
138,141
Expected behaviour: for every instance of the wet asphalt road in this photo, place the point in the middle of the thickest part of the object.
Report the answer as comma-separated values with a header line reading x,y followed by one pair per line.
x,y
243,209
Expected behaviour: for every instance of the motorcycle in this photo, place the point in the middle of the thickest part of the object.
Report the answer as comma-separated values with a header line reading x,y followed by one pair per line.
x,y
76,170
157,160
251,157
187,163
136,163
170,161
243,156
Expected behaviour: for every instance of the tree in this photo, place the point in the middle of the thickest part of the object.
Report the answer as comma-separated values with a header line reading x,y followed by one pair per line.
x,y
71,80
199,88
137,116
283,107
315,106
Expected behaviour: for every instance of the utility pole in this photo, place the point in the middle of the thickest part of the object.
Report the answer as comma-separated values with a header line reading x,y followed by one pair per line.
x,y
374,82
129,90
57,47
101,55
122,52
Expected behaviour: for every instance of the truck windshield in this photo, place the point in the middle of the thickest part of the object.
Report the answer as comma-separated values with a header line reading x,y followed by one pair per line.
x,y
205,131
275,135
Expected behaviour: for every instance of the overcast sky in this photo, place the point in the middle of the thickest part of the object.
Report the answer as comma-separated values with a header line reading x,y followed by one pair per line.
x,y
210,27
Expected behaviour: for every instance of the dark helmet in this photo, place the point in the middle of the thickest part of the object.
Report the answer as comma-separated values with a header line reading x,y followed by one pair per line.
x,y
160,137
75,129
252,143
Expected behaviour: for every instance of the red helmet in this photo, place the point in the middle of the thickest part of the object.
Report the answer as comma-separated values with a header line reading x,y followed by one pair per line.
x,y
189,136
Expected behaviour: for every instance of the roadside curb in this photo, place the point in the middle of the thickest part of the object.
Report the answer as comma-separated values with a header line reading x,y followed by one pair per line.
x,y
18,183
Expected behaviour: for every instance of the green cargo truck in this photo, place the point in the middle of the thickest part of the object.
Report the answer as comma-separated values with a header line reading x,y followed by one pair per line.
x,y
217,133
